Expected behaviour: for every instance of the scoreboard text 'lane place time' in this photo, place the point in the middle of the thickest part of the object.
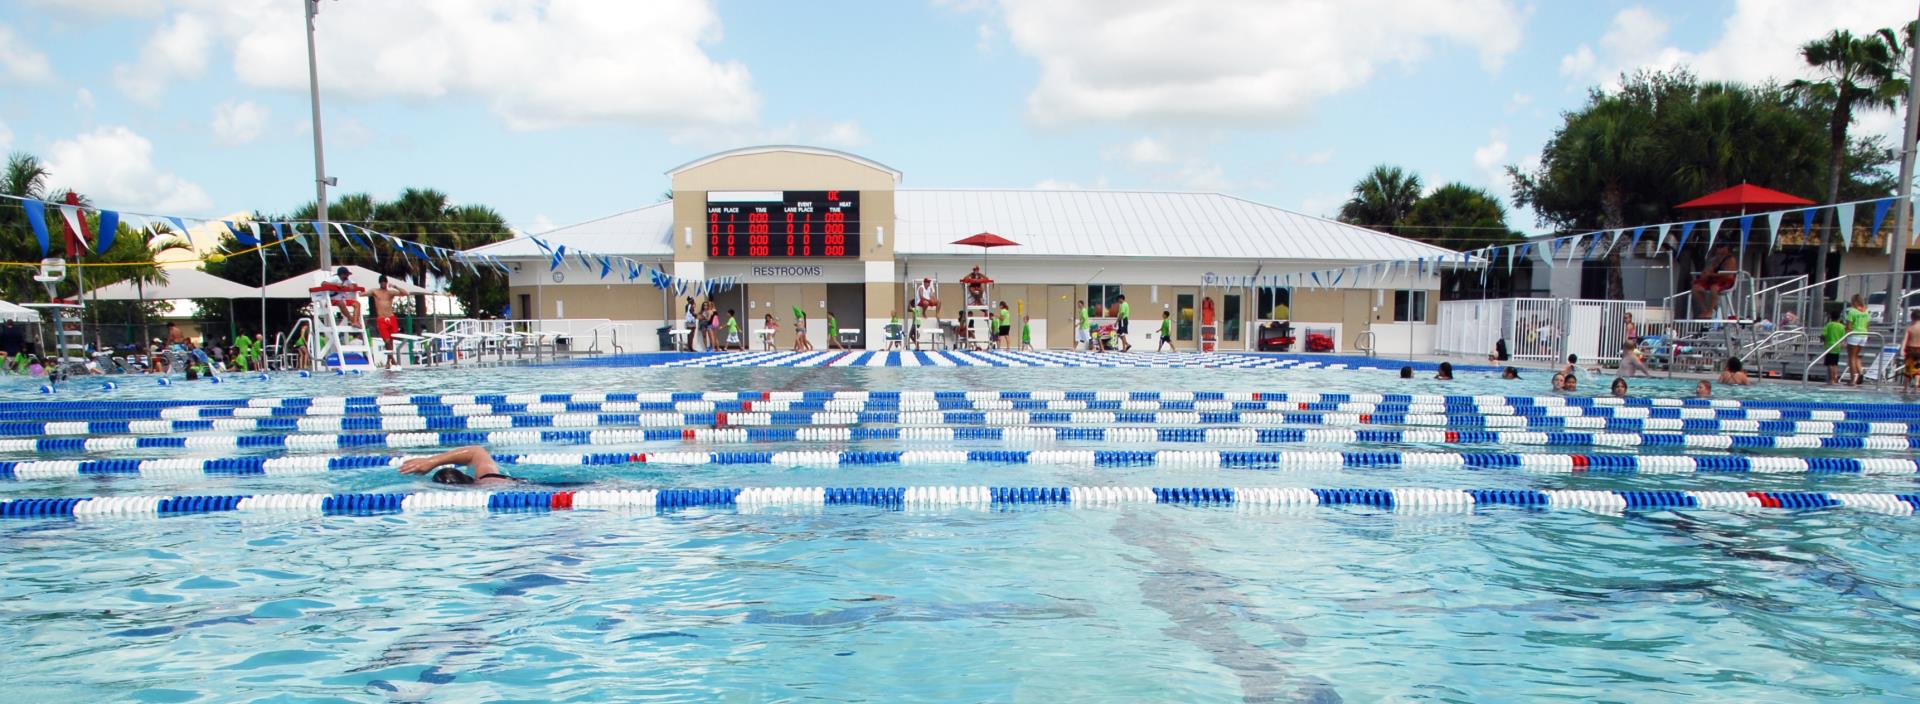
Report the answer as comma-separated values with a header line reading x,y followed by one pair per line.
x,y
783,224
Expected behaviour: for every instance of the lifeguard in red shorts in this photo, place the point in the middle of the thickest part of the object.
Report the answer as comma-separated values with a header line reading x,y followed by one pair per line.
x,y
385,322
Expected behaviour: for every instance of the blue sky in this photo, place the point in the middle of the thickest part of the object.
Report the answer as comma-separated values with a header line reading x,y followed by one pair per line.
x,y
554,111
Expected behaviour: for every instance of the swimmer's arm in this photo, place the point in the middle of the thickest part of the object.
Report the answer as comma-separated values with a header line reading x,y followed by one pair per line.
x,y
473,456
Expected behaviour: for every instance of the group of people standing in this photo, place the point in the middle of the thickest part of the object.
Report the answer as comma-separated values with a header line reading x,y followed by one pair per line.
x,y
708,331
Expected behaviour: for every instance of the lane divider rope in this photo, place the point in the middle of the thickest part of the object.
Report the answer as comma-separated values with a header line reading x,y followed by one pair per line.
x,y
1906,409
948,497
335,424
1014,435
927,405
186,467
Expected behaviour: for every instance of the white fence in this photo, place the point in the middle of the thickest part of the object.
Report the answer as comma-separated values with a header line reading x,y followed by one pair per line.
x,y
1540,329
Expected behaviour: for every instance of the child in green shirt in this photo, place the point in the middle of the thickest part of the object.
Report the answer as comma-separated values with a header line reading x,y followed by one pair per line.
x,y
733,330
1166,332
1026,333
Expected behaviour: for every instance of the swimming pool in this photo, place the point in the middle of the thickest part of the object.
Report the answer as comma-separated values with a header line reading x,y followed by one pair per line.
x,y
1100,594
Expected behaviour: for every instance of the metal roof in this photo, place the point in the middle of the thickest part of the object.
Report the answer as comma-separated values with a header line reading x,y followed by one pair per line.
x,y
1046,224
796,148
1134,224
641,232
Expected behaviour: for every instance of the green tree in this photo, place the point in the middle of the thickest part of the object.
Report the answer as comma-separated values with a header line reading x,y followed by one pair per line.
x,y
1382,198
25,177
1463,216
1858,73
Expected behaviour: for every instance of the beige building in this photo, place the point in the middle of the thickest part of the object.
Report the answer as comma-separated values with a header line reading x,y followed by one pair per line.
x,y
830,232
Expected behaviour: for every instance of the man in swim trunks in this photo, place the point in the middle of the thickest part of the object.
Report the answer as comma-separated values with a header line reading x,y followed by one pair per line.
x,y
976,288
1711,281
445,467
385,322
927,295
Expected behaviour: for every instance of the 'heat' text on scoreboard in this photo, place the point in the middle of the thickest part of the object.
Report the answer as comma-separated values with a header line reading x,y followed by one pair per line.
x,y
783,224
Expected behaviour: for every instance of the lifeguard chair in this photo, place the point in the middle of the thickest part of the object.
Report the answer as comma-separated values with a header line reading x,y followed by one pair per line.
x,y
336,342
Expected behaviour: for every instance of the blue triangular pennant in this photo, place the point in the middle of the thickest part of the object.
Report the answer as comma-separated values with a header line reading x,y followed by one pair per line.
x,y
37,217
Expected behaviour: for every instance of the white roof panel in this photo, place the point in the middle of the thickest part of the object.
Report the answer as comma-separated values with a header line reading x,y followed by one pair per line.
x,y
1134,224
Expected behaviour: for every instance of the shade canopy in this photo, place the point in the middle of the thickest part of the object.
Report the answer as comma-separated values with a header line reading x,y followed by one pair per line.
x,y
986,240
1744,197
180,284
11,313
300,286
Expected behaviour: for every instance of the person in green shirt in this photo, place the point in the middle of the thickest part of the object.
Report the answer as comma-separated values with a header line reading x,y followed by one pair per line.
x,y
1082,326
1126,311
1026,333
895,334
243,352
1166,332
1830,337
1858,321
833,332
1003,325
733,329
800,341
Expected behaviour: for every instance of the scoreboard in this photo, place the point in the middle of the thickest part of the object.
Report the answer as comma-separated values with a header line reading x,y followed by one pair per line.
x,y
754,224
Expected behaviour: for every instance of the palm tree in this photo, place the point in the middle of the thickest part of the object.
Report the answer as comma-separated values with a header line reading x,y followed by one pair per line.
x,y
25,177
1384,196
1858,74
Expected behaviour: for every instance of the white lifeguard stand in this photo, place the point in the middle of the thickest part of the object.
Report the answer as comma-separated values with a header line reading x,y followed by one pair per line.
x,y
977,312
336,342
69,341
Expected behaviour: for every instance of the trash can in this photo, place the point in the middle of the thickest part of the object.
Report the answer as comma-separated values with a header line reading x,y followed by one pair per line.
x,y
666,337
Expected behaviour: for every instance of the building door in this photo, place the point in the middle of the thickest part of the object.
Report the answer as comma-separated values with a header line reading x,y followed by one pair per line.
x,y
848,304
1060,317
525,310
1185,316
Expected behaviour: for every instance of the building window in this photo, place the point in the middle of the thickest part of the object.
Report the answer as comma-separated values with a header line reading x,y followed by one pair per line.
x,y
1409,306
1274,303
1230,317
1183,317
1103,297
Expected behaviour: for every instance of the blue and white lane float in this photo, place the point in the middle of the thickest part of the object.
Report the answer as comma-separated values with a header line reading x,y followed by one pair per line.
x,y
944,405
1011,436
1041,395
191,467
337,424
1412,499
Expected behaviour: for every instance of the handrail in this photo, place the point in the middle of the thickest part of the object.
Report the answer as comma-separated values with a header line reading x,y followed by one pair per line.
x,y
1364,342
1806,375
1818,285
1789,281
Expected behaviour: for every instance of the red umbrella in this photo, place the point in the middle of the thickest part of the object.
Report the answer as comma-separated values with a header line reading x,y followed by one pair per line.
x,y
1742,198
986,241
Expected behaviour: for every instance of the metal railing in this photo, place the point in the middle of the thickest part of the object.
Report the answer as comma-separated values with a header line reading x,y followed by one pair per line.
x,y
1364,342
1806,375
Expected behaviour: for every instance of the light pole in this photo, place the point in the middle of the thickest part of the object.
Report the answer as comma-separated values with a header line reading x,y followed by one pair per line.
x,y
320,180
1902,220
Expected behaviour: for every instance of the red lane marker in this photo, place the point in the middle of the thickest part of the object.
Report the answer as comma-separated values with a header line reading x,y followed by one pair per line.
x,y
1256,395
1453,436
637,457
766,395
1765,500
686,434
1366,419
1579,463
746,406
720,420
1302,406
562,501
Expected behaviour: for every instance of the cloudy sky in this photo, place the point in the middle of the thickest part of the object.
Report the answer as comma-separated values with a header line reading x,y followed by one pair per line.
x,y
556,111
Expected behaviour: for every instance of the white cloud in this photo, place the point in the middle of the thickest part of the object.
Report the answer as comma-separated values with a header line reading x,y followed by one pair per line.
x,y
1054,184
845,134
83,101
1312,158
101,8
19,62
239,122
1232,61
1324,205
178,49
1759,41
1491,158
114,165
983,38
534,63
1518,102
541,225
1145,150
1888,124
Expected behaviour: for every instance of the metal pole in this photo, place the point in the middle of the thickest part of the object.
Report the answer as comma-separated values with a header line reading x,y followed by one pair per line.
x,y
263,295
1903,207
319,159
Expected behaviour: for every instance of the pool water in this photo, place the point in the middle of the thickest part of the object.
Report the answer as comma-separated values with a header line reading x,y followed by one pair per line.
x,y
1133,603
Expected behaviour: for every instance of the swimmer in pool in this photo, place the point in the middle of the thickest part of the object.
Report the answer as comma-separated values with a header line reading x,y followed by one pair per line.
x,y
444,467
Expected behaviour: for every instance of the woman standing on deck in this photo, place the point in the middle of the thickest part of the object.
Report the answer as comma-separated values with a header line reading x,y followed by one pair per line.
x,y
1858,320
